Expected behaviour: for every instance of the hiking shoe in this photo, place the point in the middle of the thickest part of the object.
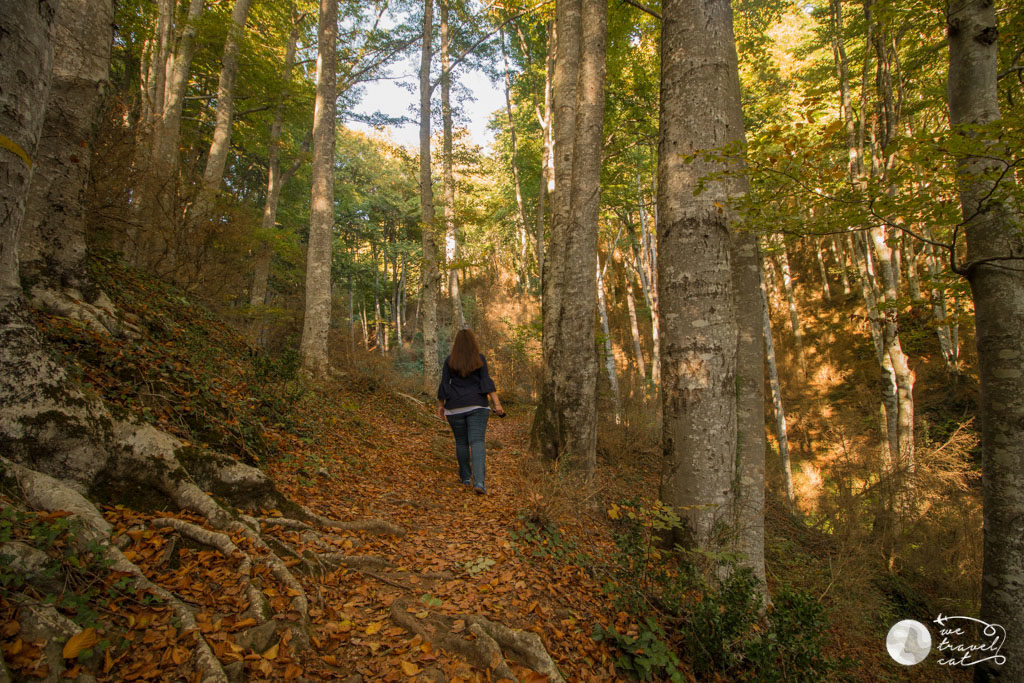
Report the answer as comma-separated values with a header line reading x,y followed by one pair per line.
x,y
479,490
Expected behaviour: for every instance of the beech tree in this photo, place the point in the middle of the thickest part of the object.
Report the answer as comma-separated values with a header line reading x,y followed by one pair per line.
x,y
317,318
700,112
565,422
994,266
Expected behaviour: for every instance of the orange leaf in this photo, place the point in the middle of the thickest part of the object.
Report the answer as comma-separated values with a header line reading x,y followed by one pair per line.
x,y
82,640
374,627
410,669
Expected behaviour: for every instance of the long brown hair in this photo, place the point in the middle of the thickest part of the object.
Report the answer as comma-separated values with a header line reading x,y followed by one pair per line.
x,y
465,356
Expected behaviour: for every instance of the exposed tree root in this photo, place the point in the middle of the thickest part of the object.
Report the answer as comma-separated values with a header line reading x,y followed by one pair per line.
x,y
488,648
222,542
377,526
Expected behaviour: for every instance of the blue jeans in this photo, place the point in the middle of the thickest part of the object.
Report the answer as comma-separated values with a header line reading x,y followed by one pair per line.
x,y
469,429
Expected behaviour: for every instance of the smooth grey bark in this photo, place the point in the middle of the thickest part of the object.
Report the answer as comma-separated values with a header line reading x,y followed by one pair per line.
x,y
564,425
649,282
908,247
154,80
217,157
26,57
946,327
261,270
903,457
157,193
781,434
750,354
547,175
782,256
700,110
430,278
521,223
634,328
52,241
609,355
451,236
995,270
826,291
317,313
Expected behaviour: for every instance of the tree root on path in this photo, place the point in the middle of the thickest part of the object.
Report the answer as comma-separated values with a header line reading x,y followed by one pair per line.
x,y
490,646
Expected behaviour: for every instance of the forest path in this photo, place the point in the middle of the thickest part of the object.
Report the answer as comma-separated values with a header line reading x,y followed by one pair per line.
x,y
463,554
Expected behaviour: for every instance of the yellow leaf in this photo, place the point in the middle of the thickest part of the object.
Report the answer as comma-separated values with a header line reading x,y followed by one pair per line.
x,y
374,627
410,669
82,640
271,652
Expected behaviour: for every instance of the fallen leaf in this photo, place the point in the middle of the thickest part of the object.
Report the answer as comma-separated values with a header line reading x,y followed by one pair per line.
x,y
374,627
82,640
271,652
410,669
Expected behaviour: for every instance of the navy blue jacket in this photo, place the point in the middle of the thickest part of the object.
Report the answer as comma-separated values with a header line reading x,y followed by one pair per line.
x,y
462,392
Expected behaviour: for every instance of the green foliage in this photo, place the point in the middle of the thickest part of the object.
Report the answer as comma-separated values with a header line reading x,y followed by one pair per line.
x,y
683,610
545,541
74,577
478,566
646,656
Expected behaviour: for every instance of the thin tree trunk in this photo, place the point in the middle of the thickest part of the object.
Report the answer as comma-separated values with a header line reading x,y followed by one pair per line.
x,y
261,269
155,82
218,154
826,293
945,326
451,238
650,284
377,330
773,381
839,254
910,263
609,356
993,232
794,314
547,175
317,318
634,329
26,57
429,276
521,223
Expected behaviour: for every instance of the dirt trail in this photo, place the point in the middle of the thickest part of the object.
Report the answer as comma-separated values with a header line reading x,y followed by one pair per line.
x,y
459,559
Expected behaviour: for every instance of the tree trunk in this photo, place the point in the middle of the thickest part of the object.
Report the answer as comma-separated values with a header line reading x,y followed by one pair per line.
x,y
609,356
749,392
993,232
317,316
794,313
839,254
218,155
451,237
157,195
430,279
26,56
261,269
565,422
634,329
945,325
909,248
52,242
700,110
776,389
547,174
649,281
521,222
826,292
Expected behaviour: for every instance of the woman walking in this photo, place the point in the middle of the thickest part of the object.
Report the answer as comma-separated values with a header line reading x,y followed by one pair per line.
x,y
462,398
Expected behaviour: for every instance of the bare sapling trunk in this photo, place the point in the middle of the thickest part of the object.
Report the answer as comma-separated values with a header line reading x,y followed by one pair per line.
x,y
430,278
217,157
839,254
317,314
794,312
451,236
546,187
781,434
609,355
946,326
995,270
826,292
908,247
521,222
649,282
634,329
